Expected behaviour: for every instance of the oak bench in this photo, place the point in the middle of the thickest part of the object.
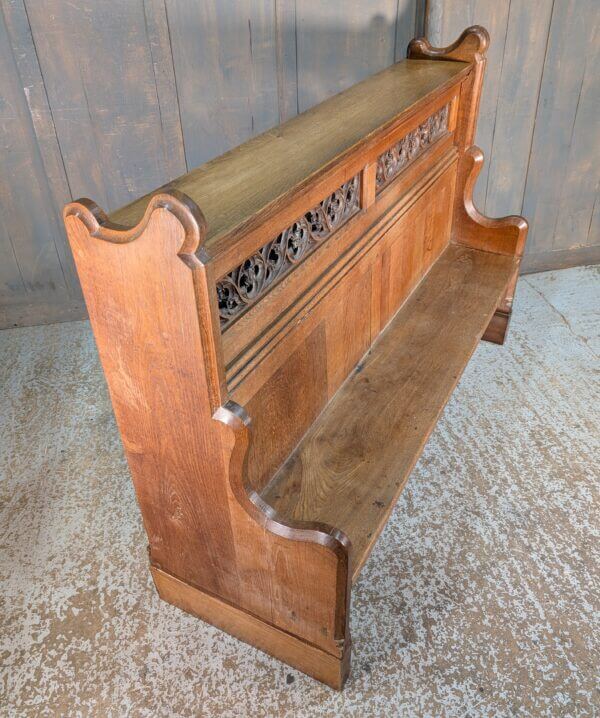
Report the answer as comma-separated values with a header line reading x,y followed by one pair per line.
x,y
280,330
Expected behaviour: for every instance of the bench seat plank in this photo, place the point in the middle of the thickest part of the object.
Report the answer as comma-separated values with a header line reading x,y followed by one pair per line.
x,y
351,466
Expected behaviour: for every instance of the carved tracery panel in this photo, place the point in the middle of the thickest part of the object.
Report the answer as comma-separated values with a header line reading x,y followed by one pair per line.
x,y
239,289
403,152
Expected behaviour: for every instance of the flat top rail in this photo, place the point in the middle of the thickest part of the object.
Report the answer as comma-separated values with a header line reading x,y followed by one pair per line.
x,y
239,185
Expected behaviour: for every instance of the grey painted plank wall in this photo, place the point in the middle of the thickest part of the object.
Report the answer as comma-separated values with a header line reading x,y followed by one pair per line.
x,y
539,123
110,99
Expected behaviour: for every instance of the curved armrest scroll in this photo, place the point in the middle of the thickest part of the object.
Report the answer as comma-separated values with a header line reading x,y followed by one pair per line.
x,y
503,235
472,42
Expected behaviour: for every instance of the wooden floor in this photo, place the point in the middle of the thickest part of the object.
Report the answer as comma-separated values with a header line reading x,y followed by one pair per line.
x,y
350,468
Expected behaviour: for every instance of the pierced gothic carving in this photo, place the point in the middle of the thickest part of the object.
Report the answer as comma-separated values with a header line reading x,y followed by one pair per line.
x,y
403,152
244,285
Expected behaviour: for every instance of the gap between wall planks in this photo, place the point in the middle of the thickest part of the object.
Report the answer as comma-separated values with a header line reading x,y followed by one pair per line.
x,y
538,128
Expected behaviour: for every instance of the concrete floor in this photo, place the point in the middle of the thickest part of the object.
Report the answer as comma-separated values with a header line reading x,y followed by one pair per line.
x,y
480,599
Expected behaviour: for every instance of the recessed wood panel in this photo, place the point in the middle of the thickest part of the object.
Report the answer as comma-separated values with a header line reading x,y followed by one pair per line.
x,y
279,418
316,354
413,244
348,310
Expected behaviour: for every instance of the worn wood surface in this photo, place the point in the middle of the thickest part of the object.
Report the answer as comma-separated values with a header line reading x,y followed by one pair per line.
x,y
221,351
29,260
185,443
351,466
240,185
284,646
314,346
538,127
253,336
341,43
564,176
515,108
159,106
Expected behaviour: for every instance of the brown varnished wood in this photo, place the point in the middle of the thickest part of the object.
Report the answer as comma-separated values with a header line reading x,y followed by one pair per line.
x,y
473,41
471,227
352,465
470,47
504,235
257,230
146,292
249,181
253,333
497,328
391,265
285,646
216,389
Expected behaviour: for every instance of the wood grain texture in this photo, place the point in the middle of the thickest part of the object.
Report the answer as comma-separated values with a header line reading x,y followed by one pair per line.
x,y
516,104
285,646
571,29
244,78
448,20
235,188
581,181
473,41
225,54
184,442
20,38
504,235
352,465
106,70
318,348
271,568
339,44
300,302
497,328
409,23
561,259
287,59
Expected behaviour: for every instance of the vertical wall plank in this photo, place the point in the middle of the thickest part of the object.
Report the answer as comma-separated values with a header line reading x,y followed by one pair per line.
x,y
287,69
420,19
452,17
225,65
593,237
111,99
98,69
339,44
582,170
157,29
519,86
12,285
562,82
409,24
539,123
28,217
24,52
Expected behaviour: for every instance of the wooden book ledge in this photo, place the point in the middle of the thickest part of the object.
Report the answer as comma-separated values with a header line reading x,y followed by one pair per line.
x,y
280,330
